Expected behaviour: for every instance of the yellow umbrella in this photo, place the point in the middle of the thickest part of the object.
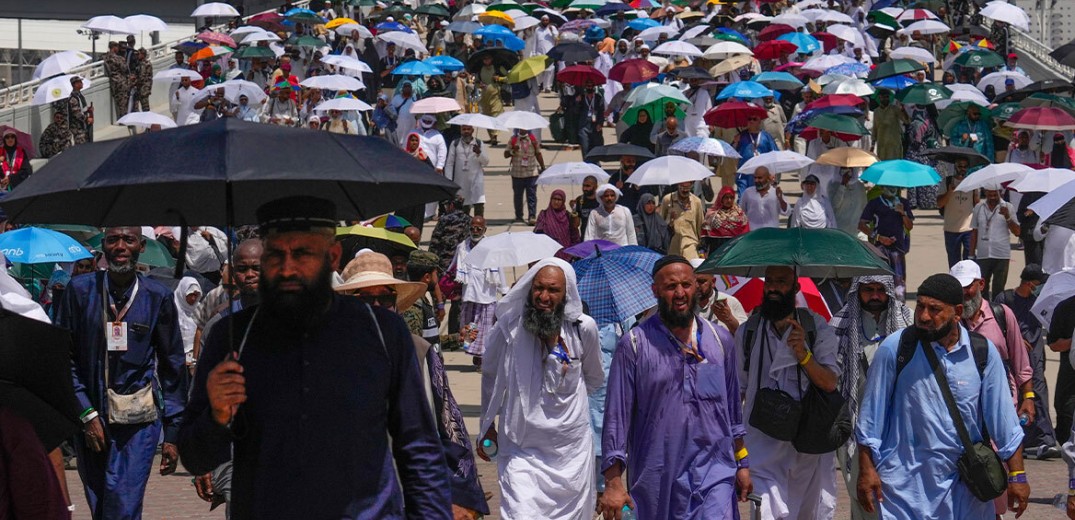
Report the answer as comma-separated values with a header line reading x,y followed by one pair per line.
x,y
529,68
847,157
377,233
731,64
336,22
497,17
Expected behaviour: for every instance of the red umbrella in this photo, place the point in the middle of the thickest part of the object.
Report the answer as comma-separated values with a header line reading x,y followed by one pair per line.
x,y
578,75
835,100
810,133
634,71
266,17
733,114
773,31
1042,118
774,49
828,41
217,38
22,139
749,291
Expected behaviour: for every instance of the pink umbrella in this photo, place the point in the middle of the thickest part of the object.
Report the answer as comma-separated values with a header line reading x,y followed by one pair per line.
x,y
1042,118
435,105
217,38
634,71
22,139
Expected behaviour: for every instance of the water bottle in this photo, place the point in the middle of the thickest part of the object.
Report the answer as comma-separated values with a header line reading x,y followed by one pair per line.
x,y
628,514
1024,419
490,448
1060,501
465,334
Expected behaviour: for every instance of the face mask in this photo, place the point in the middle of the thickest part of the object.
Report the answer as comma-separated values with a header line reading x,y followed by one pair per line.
x,y
589,90
888,193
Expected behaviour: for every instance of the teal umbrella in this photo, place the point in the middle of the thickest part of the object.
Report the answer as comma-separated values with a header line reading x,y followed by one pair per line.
x,y
815,253
894,68
838,123
979,59
901,173
924,94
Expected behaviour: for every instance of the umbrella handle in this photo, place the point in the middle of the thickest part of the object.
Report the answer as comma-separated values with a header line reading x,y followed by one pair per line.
x,y
183,235
597,250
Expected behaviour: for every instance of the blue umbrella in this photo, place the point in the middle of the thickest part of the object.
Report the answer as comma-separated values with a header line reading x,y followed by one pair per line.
x,y
849,69
895,82
733,32
416,68
807,44
493,31
393,26
901,174
642,24
611,9
745,90
298,10
445,63
779,80
615,285
38,246
464,27
511,43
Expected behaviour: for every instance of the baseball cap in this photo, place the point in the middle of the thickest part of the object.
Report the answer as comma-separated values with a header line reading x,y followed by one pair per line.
x,y
966,271
1012,56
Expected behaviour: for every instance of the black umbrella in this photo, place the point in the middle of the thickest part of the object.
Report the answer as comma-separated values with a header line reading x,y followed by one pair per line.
x,y
437,10
501,58
693,72
219,173
953,153
573,52
1052,86
35,377
1065,54
613,152
555,18
1064,217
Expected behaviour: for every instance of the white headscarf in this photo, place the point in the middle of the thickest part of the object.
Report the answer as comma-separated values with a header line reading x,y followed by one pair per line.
x,y
187,326
15,299
605,187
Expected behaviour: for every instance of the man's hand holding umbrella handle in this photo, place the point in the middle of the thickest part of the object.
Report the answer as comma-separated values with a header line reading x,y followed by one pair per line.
x,y
491,435
95,435
615,496
226,388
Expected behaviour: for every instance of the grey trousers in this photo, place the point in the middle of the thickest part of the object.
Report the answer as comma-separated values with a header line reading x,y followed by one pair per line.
x,y
849,469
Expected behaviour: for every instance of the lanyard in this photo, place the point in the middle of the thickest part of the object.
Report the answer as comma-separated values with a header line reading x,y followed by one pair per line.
x,y
120,314
560,352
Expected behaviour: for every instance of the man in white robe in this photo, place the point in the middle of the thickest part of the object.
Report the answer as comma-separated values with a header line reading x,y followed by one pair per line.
x,y
545,36
541,360
611,221
182,103
467,159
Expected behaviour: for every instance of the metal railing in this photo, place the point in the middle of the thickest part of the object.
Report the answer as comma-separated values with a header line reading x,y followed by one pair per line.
x,y
1036,50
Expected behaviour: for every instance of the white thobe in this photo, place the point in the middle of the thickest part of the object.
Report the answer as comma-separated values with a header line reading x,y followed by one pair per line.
x,y
617,227
813,213
824,172
544,41
182,106
467,169
694,124
481,286
201,256
286,113
762,212
436,147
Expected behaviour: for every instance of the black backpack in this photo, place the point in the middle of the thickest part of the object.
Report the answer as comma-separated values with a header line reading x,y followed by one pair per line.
x,y
909,345
520,90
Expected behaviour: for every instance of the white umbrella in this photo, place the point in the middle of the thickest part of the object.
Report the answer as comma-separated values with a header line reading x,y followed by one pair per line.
x,y
345,30
263,36
792,19
992,176
827,79
146,120
346,62
677,48
997,79
705,145
174,75
1042,181
695,31
56,89
752,17
245,29
572,173
854,86
1054,200
826,62
108,24
233,89
830,16
404,40
435,105
214,9
914,53
333,82
1008,13
522,120
926,27
343,104
476,120
512,249
725,50
779,161
668,170
525,22
847,34
653,33
973,95
145,23
1058,288
515,14
469,12
60,63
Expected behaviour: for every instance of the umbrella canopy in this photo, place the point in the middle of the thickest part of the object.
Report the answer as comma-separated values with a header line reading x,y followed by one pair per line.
x,y
804,43
772,31
346,62
734,114
957,111
749,292
1042,181
344,104
445,63
466,27
779,161
838,123
336,22
332,82
613,152
615,285
954,153
993,176
677,48
477,121
1040,118
847,157
580,75
815,253
706,146
979,59
22,139
436,105
214,9
145,23
1055,202
174,75
779,80
826,62
1059,287
731,64
668,170
1007,13
897,67
502,58
573,52
207,174
156,254
390,221
60,63
146,120
211,52
745,90
634,71
109,24
32,245
496,17
375,233
997,80
215,37
572,173
927,27
255,52
58,88
522,120
924,94
35,377
512,249
853,86
436,10
913,53
725,50
901,173
416,68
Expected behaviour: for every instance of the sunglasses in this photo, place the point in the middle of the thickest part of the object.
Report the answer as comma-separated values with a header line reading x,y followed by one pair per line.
x,y
379,300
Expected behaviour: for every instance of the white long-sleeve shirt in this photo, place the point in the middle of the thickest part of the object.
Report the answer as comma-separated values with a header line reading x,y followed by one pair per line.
x,y
201,257
182,106
467,169
617,227
437,148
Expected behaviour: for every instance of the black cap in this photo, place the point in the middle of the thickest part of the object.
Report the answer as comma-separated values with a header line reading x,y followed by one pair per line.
x,y
299,213
1032,272
943,287
668,260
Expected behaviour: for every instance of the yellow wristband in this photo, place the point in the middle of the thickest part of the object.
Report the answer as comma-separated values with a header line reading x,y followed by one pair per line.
x,y
1015,473
1071,492
1029,395
741,454
809,356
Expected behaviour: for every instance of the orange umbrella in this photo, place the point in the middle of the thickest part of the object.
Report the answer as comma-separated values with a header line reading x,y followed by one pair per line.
x,y
210,52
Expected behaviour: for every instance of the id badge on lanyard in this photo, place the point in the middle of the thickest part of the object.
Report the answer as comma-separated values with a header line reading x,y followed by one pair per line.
x,y
116,330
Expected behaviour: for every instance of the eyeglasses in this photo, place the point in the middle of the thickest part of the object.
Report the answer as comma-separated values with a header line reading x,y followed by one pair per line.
x,y
379,300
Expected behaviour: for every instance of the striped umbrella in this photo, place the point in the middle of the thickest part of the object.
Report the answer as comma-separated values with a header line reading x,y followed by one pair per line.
x,y
615,285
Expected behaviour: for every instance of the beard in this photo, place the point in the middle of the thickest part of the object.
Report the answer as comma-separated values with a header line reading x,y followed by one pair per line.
x,y
930,335
123,268
874,306
298,306
777,306
543,324
677,320
972,305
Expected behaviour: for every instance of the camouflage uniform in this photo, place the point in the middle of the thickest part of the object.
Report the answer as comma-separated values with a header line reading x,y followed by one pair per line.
x,y
76,121
145,85
118,79
421,318
452,228
55,139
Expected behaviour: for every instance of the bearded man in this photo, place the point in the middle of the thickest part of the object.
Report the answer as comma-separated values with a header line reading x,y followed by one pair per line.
x,y
541,360
318,396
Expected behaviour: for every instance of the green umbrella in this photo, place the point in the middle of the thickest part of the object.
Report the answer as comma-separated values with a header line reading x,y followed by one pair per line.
x,y
729,38
588,4
308,18
651,92
305,41
979,59
955,113
503,5
838,123
529,7
815,253
155,255
630,116
433,10
894,68
1045,100
924,94
1004,111
529,68
255,52
882,18
75,231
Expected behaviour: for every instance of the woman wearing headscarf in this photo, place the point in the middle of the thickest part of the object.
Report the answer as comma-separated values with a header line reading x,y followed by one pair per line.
x,y
489,79
812,210
639,133
1062,155
724,221
922,135
186,296
53,292
415,145
650,228
15,163
555,221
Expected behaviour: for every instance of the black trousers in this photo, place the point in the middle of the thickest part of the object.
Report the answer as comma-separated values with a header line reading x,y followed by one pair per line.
x,y
1040,432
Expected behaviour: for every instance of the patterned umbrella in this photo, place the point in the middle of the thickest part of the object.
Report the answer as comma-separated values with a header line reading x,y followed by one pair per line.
x,y
587,248
615,285
217,38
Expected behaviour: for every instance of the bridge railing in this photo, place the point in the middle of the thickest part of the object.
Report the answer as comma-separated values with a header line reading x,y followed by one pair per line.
x,y
1035,49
